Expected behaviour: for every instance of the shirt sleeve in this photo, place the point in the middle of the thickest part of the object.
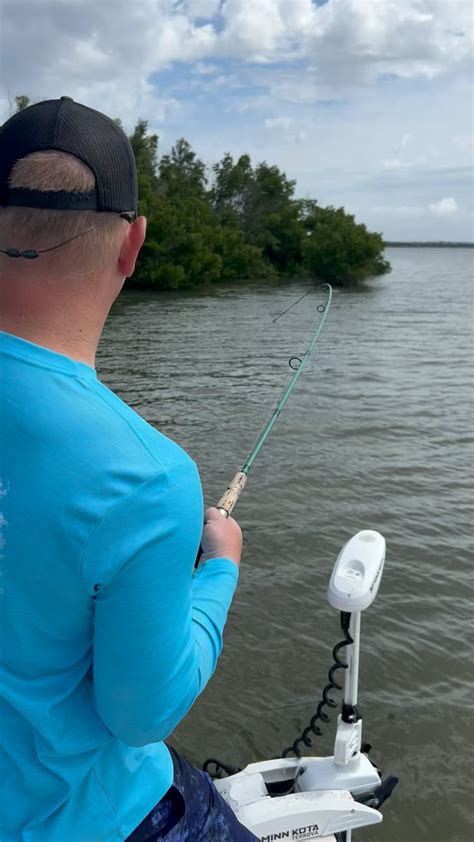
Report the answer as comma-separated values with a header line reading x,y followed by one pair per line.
x,y
157,625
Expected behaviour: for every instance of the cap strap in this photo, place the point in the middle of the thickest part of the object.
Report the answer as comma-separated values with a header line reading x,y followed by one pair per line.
x,y
51,199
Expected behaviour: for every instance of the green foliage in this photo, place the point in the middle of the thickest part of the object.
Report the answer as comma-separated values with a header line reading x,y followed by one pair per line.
x,y
338,249
246,223
260,203
22,101
188,242
145,149
181,173
180,248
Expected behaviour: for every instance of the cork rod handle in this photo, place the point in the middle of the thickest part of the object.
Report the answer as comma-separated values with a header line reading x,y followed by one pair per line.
x,y
229,499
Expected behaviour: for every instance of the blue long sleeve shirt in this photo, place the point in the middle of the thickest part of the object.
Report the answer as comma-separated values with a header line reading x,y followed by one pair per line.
x,y
106,635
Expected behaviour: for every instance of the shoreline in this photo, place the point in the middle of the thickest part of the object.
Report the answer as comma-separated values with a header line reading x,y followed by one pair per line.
x,y
441,244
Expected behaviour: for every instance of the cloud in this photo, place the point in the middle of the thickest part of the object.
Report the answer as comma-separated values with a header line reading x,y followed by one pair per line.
x,y
399,210
405,157
113,46
286,129
206,9
99,52
464,142
283,123
393,164
372,39
204,69
445,207
349,40
376,93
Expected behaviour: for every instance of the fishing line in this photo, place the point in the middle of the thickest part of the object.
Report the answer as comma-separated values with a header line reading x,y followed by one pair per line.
x,y
291,306
297,364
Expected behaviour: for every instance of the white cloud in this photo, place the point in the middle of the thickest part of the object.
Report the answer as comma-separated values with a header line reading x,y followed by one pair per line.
x,y
104,53
202,68
351,40
399,210
90,44
376,93
445,207
464,142
303,88
404,157
254,30
284,123
202,8
365,40
393,164
286,129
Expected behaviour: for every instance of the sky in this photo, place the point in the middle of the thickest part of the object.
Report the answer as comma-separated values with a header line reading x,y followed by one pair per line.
x,y
365,103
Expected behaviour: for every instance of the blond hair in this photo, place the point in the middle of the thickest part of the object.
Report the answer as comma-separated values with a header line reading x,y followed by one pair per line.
x,y
38,228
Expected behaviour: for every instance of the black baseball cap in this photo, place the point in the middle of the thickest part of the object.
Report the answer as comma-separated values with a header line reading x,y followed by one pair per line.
x,y
95,139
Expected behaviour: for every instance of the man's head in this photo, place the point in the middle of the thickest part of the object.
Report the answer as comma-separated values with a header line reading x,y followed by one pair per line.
x,y
68,193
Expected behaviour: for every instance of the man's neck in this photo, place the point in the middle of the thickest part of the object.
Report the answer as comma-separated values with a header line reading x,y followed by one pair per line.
x,y
75,345
69,324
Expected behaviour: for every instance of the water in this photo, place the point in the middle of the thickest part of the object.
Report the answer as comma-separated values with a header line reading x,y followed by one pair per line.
x,y
377,435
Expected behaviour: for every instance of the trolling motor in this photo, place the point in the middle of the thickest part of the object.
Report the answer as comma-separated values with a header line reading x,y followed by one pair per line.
x,y
301,798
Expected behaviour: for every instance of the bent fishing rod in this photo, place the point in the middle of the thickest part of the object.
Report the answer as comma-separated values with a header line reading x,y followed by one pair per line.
x,y
229,498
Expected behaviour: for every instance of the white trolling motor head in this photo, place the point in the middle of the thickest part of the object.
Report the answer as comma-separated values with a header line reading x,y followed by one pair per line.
x,y
323,798
357,573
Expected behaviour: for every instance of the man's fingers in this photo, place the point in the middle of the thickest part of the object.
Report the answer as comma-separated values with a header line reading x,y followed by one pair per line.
x,y
212,514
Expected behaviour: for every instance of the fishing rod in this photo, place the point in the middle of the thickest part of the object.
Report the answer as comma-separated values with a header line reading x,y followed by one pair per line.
x,y
297,364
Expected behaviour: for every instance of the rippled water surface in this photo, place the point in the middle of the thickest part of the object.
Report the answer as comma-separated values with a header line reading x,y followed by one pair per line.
x,y
377,435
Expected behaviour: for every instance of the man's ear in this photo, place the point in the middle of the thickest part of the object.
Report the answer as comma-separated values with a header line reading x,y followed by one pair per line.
x,y
131,246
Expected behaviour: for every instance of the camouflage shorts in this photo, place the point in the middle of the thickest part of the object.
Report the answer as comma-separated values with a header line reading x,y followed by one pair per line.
x,y
191,811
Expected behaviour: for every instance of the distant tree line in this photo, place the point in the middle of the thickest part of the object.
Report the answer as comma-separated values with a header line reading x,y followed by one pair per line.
x,y
241,221
436,244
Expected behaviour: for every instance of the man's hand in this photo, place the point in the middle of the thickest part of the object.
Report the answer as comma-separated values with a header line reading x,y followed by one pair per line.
x,y
221,537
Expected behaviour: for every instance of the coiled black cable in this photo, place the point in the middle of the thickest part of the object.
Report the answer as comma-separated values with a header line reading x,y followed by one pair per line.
x,y
218,769
326,699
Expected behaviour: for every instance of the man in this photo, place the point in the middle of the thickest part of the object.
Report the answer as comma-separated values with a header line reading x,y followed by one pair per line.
x,y
106,634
